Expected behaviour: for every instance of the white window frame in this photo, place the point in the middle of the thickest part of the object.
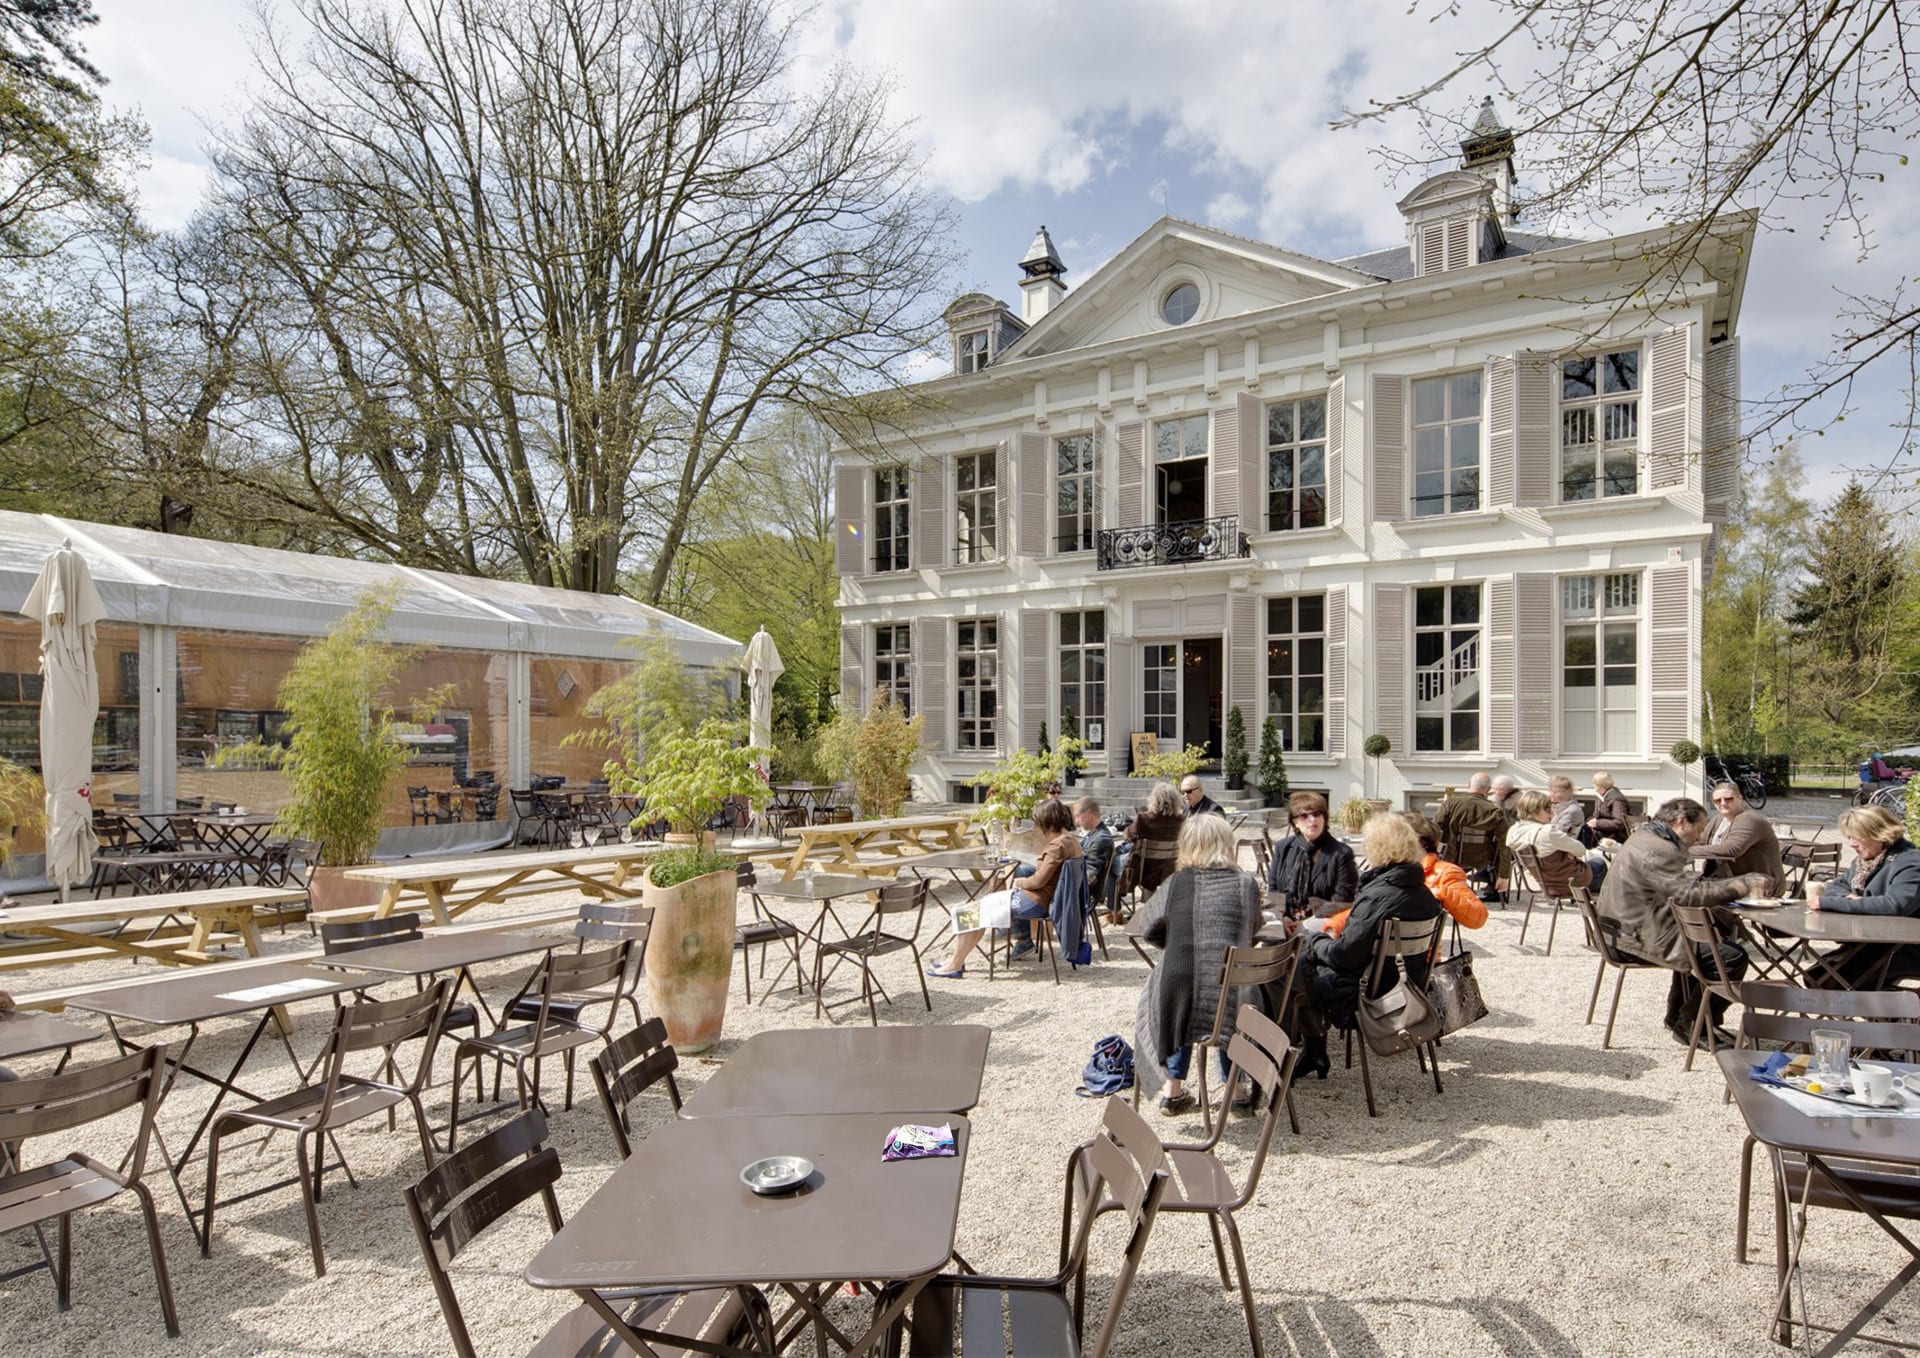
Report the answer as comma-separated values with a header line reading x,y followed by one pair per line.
x,y
1454,667
1608,619
898,661
1450,423
1075,481
973,350
1604,413
901,510
1288,719
974,541
1153,657
1183,422
976,675
1083,651
1292,448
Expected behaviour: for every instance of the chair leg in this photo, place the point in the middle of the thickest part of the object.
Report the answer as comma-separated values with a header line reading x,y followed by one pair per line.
x,y
1525,920
420,1122
1366,1077
1219,1249
1613,1010
1433,1064
1693,1038
1200,1052
1746,1201
1246,1285
309,1186
206,1213
920,970
63,1276
866,990
1599,975
746,969
1553,925
1293,1111
159,1253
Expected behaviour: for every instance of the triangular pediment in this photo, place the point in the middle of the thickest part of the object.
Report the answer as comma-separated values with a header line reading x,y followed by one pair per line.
x,y
1232,275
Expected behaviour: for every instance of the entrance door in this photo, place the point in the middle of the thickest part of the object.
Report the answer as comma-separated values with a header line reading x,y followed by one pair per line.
x,y
1180,689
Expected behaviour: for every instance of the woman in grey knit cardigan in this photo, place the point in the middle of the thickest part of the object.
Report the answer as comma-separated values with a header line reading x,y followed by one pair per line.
x,y
1206,907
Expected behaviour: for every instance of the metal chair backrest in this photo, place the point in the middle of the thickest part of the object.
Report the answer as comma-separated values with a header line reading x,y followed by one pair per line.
x,y
369,1025
1279,822
1696,927
1526,859
612,921
1402,938
630,1067
1270,964
302,856
1875,1020
584,970
1260,1050
1128,1165
59,1103
352,935
1603,934
902,896
456,1201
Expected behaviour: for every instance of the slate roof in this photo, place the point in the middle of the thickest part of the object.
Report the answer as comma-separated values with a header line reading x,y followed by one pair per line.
x,y
1397,264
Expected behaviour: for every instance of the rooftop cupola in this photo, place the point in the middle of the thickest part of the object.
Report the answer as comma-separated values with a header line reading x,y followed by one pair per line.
x,y
1487,150
1040,285
1458,218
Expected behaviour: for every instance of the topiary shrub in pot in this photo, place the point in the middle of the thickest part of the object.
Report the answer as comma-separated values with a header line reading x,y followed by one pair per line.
x,y
1233,753
1272,777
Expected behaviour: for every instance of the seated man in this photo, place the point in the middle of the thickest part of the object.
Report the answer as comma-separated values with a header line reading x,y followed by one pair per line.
x,y
1653,870
1741,842
1473,831
1096,846
1196,798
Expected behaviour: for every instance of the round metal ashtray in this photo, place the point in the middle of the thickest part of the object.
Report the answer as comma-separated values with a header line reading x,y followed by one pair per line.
x,y
776,1174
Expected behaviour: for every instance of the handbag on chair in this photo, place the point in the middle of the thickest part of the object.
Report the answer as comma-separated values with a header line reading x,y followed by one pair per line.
x,y
1454,990
1402,1018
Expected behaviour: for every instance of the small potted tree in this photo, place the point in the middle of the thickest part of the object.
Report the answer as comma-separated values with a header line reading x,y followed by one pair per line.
x,y
1273,764
1684,753
1020,782
1373,748
1233,753
687,781
884,748
1070,732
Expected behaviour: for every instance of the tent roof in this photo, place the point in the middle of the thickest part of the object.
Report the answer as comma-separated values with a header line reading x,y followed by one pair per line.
x,y
200,584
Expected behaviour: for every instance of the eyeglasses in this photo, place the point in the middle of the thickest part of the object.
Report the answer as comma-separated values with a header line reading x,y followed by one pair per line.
x,y
1189,791
1310,815
1723,801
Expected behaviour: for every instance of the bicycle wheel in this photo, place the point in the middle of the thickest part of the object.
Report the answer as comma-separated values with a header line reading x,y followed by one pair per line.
x,y
1754,788
1891,799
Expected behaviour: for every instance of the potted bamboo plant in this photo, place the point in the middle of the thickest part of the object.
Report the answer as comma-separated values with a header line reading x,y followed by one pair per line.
x,y
687,781
23,803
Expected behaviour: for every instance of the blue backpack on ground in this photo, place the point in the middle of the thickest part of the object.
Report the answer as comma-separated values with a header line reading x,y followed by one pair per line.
x,y
1109,1070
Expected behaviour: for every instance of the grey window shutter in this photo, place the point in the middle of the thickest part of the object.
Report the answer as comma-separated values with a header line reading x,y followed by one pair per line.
x,y
928,527
1001,527
1336,449
1502,447
1035,485
1668,444
850,520
1034,651
1533,431
1670,638
1129,455
930,681
853,668
1253,463
1337,671
1243,664
1533,662
1721,448
1499,675
1389,451
1227,467
1392,677
1123,698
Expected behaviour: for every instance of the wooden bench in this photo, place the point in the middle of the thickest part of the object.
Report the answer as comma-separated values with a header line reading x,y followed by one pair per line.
x,y
219,914
451,886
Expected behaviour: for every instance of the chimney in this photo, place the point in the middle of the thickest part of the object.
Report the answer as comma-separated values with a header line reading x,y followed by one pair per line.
x,y
1040,287
1488,151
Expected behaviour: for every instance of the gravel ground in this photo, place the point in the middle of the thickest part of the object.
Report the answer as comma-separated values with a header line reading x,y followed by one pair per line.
x,y
1556,1199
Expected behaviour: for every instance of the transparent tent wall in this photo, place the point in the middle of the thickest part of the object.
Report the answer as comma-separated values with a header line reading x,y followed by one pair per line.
x,y
116,732
228,695
557,693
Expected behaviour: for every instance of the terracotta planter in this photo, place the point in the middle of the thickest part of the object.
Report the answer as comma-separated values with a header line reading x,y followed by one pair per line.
x,y
690,957
331,890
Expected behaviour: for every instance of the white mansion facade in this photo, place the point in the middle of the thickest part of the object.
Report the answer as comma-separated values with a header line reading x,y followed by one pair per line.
x,y
1460,493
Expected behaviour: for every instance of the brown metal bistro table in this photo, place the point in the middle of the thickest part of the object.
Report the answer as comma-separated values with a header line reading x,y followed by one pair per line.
x,y
437,953
23,1034
676,1215
1784,936
797,1071
810,888
1884,1143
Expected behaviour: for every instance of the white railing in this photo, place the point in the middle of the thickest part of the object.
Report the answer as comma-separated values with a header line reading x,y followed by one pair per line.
x,y
1432,681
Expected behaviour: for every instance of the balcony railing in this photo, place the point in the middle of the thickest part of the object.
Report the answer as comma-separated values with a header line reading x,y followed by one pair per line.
x,y
1172,544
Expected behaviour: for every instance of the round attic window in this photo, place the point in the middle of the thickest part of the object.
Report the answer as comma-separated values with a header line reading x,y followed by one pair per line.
x,y
1180,304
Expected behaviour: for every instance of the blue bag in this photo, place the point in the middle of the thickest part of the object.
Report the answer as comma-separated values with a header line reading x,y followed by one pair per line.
x,y
1109,1070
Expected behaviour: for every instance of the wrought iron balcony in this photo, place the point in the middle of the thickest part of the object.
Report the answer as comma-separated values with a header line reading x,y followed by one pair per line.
x,y
1172,544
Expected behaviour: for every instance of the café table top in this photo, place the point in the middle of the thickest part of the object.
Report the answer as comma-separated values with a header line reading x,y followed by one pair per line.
x,y
675,1213
1832,926
1778,1123
237,818
794,1072
822,886
203,993
439,952
24,1034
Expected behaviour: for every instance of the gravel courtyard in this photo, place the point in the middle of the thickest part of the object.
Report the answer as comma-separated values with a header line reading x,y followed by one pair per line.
x,y
1556,1199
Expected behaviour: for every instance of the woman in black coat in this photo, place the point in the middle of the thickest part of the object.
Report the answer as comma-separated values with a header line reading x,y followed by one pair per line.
x,y
1331,968
1311,862
1883,879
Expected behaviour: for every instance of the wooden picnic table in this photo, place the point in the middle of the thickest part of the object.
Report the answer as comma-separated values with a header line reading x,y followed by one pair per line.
x,y
453,886
214,910
837,847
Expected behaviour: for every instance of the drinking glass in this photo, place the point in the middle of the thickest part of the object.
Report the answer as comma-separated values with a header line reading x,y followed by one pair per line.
x,y
593,837
577,837
626,832
1832,1053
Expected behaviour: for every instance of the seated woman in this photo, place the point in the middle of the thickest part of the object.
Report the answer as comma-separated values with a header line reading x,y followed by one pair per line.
x,y
1883,879
1392,887
1609,818
1311,863
1033,895
1564,860
1206,907
1158,825
1447,881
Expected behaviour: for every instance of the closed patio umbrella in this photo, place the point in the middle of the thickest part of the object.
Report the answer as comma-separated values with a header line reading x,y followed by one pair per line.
x,y
68,608
763,665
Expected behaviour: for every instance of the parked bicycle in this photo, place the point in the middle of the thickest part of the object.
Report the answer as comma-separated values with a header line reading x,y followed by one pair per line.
x,y
1751,782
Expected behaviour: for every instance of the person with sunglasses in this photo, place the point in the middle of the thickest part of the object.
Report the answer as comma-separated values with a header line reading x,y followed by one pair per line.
x,y
1311,863
1740,841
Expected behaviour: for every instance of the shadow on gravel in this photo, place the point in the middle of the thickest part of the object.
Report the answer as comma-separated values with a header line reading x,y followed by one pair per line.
x,y
1331,1327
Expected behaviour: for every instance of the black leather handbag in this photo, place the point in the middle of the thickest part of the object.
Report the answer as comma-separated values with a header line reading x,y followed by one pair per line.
x,y
1454,990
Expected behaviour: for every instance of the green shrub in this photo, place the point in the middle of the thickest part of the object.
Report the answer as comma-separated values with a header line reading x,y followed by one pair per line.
x,y
1233,754
1171,765
23,803
684,862
1273,760
689,778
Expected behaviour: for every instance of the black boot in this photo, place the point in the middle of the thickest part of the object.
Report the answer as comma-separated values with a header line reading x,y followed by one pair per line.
x,y
1313,1056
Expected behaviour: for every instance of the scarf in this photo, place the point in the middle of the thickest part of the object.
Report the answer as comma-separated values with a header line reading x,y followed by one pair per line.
x,y
1864,868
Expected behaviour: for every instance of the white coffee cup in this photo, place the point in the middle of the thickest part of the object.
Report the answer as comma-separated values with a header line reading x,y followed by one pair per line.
x,y
1875,1083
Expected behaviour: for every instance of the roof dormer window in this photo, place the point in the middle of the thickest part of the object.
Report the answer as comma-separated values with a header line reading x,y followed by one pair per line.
x,y
1181,304
975,351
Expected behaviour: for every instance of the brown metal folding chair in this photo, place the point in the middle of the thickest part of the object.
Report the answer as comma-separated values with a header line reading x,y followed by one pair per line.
x,y
1529,877
1886,1022
1696,932
1803,860
314,1112
1398,939
1123,1169
60,1103
1603,936
347,936
896,899
1267,967
459,1199
630,1067
599,922
764,928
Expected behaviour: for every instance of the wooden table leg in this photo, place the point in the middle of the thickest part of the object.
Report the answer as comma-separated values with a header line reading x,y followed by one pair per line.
x,y
389,897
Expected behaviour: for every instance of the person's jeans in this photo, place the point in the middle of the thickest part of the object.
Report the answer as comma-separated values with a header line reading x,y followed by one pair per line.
x,y
1684,993
1024,909
1180,1058
1597,864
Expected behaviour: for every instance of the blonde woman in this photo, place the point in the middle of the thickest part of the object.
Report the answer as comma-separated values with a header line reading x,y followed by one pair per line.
x,y
1393,887
1207,906
1883,879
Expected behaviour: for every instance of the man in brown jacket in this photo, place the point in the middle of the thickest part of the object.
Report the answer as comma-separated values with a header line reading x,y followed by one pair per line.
x,y
1468,822
1740,842
1652,870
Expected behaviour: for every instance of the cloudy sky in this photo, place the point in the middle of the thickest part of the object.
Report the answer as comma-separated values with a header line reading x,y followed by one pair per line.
x,y
1096,119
